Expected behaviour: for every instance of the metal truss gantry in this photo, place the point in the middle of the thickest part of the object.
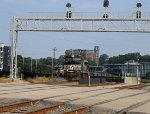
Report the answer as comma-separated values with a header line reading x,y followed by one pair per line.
x,y
79,22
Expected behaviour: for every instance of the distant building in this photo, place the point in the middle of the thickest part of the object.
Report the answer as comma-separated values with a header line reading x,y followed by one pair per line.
x,y
131,68
1,56
4,57
92,55
97,54
144,68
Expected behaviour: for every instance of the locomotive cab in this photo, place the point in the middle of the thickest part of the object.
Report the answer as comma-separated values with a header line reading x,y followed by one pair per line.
x,y
74,67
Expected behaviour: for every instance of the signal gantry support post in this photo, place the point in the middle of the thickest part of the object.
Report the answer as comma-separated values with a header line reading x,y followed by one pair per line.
x,y
14,45
79,22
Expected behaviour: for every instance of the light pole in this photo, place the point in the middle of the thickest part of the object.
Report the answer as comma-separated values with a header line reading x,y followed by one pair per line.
x,y
53,61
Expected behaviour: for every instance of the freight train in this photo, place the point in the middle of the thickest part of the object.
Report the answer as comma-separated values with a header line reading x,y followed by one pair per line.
x,y
75,66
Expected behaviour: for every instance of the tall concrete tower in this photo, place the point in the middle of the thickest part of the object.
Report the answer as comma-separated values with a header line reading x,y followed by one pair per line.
x,y
96,50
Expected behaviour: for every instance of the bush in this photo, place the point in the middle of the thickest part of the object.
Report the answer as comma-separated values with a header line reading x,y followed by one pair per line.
x,y
5,80
41,80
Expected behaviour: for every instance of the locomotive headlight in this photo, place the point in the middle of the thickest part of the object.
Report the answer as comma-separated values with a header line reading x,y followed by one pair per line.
x,y
72,67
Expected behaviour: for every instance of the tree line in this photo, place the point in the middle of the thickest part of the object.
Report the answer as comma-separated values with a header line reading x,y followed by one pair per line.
x,y
44,65
121,59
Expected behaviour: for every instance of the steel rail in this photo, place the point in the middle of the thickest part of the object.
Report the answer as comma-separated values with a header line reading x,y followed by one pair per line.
x,y
140,86
8,108
47,109
131,107
78,111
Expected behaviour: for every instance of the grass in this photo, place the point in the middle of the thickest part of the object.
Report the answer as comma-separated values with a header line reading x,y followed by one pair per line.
x,y
41,80
5,80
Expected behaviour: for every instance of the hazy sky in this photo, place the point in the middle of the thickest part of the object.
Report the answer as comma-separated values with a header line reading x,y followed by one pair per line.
x,y
38,45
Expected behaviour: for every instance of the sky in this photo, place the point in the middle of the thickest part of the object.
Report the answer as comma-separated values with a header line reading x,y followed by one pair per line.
x,y
41,44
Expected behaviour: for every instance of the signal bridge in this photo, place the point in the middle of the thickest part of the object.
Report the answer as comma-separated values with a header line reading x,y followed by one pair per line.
x,y
84,22
75,22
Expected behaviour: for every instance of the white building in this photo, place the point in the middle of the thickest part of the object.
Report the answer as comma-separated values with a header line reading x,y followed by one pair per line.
x,y
1,55
4,58
131,68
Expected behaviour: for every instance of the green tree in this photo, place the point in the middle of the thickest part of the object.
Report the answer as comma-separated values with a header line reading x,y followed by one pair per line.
x,y
121,59
145,58
103,59
20,63
60,60
91,62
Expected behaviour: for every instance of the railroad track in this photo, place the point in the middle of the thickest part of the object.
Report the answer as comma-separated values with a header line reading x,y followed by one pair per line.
x,y
42,88
10,85
45,109
127,109
8,108
35,107
75,110
11,107
111,100
140,86
40,107
25,88
30,89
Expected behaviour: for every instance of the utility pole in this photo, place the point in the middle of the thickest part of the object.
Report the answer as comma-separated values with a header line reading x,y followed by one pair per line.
x,y
36,66
31,65
53,61
138,66
22,74
23,63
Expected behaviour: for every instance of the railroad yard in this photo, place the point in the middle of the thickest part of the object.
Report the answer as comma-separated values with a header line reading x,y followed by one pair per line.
x,y
95,61
70,98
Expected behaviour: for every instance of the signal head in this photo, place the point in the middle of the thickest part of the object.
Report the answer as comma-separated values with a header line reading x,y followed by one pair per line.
x,y
106,3
68,5
138,5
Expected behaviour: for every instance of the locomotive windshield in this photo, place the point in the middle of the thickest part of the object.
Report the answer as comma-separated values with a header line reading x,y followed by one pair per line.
x,y
72,60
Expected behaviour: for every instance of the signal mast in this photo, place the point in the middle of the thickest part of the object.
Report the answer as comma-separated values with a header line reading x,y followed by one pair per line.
x,y
105,5
138,13
69,12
